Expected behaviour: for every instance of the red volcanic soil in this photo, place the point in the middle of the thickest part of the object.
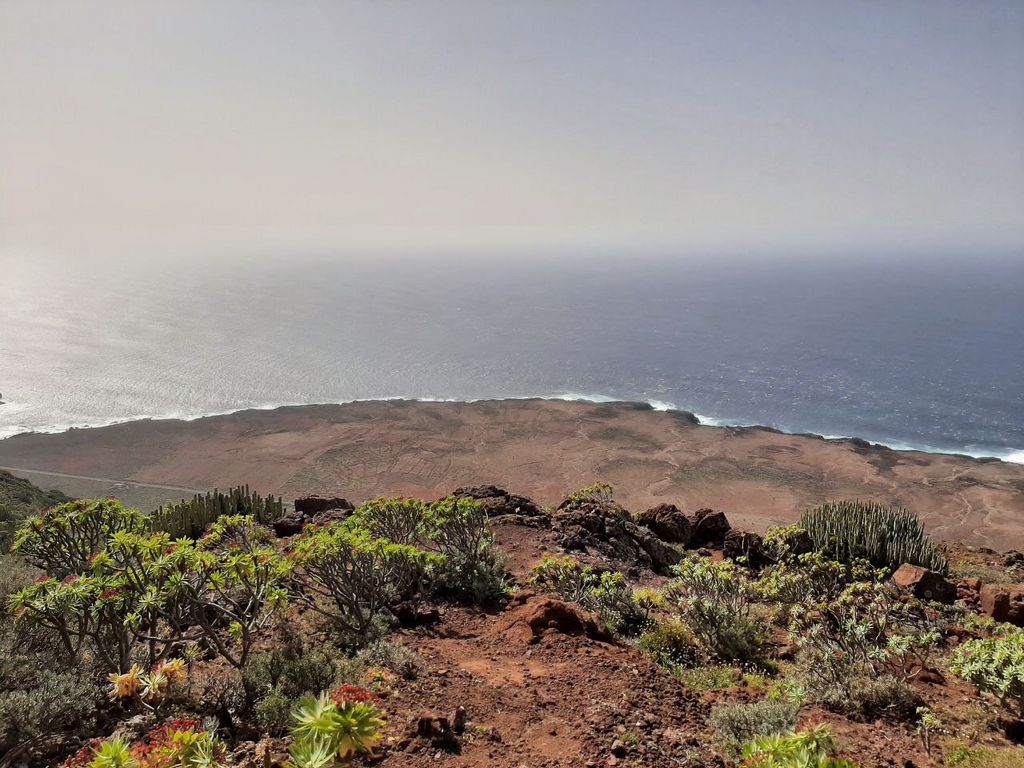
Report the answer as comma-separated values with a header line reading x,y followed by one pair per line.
x,y
552,694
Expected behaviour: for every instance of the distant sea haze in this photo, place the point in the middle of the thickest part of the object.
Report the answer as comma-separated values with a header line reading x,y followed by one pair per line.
x,y
912,353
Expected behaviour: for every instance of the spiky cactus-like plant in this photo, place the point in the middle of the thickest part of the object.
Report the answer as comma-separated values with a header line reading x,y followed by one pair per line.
x,y
888,536
191,517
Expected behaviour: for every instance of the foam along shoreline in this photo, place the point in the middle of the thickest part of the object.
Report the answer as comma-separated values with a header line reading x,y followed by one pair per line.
x,y
1010,455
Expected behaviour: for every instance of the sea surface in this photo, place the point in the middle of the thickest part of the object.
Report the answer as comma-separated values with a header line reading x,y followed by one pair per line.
x,y
922,352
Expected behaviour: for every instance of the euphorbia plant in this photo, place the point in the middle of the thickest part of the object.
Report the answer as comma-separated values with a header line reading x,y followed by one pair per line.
x,y
147,592
401,521
347,575
996,665
240,583
64,539
457,528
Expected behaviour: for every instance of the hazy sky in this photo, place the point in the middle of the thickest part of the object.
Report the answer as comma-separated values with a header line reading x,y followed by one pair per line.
x,y
690,125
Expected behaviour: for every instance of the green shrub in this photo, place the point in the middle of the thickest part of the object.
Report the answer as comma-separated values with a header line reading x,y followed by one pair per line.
x,y
982,757
402,521
736,724
622,609
390,656
710,677
810,577
20,499
273,710
193,516
566,576
887,536
808,749
864,696
472,567
39,695
714,601
607,593
782,543
996,665
276,680
670,645
63,540
787,689
591,495
346,575
855,650
148,593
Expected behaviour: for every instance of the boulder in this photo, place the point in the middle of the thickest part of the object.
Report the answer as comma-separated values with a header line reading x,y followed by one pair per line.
x,y
925,584
497,501
314,505
290,523
745,545
969,585
412,614
1003,602
438,730
331,515
797,540
536,617
1012,558
667,522
607,528
708,528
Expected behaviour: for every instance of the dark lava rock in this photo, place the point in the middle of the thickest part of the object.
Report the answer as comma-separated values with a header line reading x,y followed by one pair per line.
x,y
708,528
290,523
1013,557
312,509
438,730
535,521
797,541
925,584
331,515
314,505
411,614
667,522
497,501
746,547
607,528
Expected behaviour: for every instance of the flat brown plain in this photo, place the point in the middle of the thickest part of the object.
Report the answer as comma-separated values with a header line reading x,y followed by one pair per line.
x,y
541,449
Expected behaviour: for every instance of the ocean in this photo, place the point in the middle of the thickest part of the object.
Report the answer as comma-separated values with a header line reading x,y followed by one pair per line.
x,y
924,353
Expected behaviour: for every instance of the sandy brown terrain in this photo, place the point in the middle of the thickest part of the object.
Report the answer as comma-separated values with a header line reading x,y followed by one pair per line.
x,y
541,449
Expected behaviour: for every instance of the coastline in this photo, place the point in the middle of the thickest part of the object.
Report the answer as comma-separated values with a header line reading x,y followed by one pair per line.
x,y
1009,455
542,448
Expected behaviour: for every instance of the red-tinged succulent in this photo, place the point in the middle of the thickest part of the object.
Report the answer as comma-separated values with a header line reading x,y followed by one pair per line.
x,y
352,693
